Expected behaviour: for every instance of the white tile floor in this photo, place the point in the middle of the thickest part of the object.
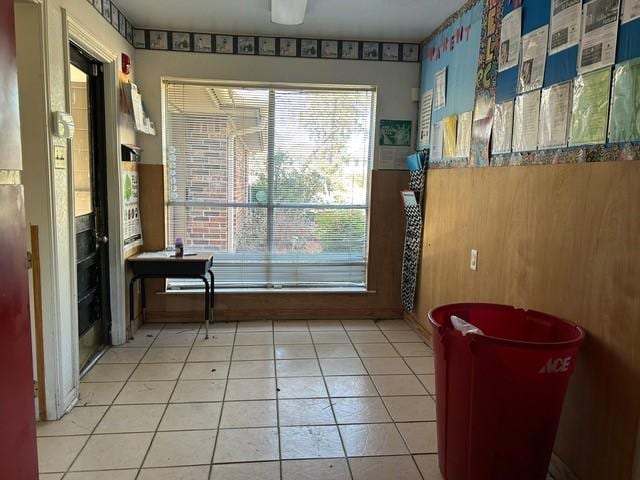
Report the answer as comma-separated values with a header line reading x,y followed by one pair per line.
x,y
290,400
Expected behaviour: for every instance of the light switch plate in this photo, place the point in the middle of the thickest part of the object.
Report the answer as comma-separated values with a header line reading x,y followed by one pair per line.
x,y
474,260
60,156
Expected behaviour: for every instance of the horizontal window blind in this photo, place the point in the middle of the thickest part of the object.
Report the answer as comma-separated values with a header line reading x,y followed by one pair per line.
x,y
273,181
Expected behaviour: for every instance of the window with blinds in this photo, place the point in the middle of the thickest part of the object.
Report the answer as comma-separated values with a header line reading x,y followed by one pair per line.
x,y
273,181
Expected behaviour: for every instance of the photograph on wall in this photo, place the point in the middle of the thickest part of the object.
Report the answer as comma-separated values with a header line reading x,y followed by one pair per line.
x,y
510,35
329,49
395,133
370,51
129,32
181,41
410,52
246,45
463,140
267,46
97,4
437,138
224,44
565,24
122,25
533,60
554,116
590,109
425,118
624,125
106,9
630,10
440,89
502,128
114,16
390,52
309,48
202,42
158,40
599,35
526,115
131,225
139,39
449,134
288,47
350,50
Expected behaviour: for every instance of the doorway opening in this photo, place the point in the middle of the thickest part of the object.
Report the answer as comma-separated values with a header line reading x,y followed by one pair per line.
x,y
90,205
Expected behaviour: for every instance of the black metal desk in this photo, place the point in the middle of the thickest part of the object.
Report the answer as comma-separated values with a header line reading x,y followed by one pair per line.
x,y
163,265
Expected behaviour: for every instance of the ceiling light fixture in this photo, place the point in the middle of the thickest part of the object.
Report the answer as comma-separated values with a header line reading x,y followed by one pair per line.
x,y
288,12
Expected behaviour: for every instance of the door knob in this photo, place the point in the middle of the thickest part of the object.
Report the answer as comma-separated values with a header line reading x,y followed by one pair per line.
x,y
102,239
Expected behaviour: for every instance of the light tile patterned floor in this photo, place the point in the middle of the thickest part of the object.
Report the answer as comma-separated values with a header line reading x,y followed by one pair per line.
x,y
286,400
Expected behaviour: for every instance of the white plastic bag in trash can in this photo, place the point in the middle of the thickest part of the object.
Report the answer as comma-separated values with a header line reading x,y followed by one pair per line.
x,y
464,327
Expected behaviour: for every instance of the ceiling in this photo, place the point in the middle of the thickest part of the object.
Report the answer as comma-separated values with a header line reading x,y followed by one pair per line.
x,y
383,20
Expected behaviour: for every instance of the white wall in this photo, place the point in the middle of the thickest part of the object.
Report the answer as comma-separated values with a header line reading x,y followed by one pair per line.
x,y
48,193
393,79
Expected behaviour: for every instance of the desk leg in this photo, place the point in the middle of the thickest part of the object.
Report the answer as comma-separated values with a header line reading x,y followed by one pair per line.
x,y
143,300
206,306
213,287
131,306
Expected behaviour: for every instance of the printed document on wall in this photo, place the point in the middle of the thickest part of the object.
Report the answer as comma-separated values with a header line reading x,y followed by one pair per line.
x,y
533,59
599,35
625,103
463,140
502,128
630,10
590,109
425,118
440,89
450,125
437,137
525,122
510,40
565,24
554,116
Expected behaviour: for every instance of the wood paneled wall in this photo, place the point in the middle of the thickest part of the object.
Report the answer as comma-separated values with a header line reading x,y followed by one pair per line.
x,y
382,300
563,239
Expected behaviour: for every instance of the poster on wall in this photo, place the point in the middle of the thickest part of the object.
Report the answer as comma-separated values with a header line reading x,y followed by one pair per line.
x,y
502,128
554,116
131,225
533,60
590,109
510,40
425,118
440,89
565,24
630,10
463,140
599,35
392,158
525,122
437,137
624,125
449,127
395,133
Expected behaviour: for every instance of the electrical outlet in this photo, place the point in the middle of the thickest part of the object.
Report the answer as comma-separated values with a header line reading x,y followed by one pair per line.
x,y
474,260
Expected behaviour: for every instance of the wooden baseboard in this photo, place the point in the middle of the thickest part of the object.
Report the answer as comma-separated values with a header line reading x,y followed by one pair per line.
x,y
423,331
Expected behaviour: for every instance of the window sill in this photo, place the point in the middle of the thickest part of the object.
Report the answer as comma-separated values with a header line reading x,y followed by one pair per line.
x,y
248,291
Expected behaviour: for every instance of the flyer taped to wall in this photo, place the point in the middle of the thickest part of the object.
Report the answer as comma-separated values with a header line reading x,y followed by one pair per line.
x,y
450,125
554,116
440,89
525,122
599,35
436,141
533,59
502,128
624,124
425,118
565,24
510,40
590,109
463,141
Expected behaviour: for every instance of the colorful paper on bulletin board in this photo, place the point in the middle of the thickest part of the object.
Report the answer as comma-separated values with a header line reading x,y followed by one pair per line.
x,y
625,103
450,127
590,108
486,84
455,47
395,133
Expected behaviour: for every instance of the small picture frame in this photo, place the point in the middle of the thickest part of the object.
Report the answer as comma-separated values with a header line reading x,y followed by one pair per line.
x,y
158,40
309,48
247,45
288,47
267,46
139,40
410,52
350,50
202,42
224,44
106,9
370,51
114,16
390,52
97,4
181,41
122,26
129,32
329,49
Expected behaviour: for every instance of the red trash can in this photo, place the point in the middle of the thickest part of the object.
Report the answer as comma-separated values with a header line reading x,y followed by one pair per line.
x,y
499,392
